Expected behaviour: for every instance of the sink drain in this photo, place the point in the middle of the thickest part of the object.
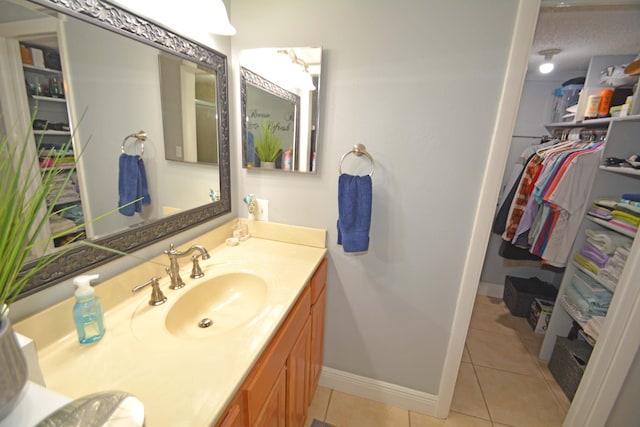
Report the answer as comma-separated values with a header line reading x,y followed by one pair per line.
x,y
205,323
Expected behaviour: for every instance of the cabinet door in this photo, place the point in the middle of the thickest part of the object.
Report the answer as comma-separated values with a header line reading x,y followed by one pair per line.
x,y
317,341
273,412
234,415
298,378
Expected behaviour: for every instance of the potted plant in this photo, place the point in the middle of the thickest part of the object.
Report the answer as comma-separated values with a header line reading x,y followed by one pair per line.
x,y
24,213
268,145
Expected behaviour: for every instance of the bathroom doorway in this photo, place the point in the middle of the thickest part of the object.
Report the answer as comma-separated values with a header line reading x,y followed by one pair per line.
x,y
501,352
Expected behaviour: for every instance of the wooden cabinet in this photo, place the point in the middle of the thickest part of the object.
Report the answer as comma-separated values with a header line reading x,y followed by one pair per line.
x,y
279,388
273,412
298,378
234,414
318,304
317,341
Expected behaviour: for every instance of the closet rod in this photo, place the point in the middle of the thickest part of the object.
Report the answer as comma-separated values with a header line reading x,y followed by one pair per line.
x,y
526,136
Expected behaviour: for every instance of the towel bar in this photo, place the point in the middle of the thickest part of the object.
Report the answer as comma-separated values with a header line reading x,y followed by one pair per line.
x,y
140,137
358,150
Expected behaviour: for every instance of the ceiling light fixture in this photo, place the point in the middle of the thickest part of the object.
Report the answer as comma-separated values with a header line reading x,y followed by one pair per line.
x,y
547,66
301,70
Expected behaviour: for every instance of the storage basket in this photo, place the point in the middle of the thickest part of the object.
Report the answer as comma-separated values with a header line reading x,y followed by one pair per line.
x,y
567,363
519,293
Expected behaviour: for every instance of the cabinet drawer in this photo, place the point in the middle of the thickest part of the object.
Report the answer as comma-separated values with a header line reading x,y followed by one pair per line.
x,y
265,373
318,280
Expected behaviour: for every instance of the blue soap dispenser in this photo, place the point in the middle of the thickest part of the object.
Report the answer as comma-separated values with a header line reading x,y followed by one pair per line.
x,y
87,311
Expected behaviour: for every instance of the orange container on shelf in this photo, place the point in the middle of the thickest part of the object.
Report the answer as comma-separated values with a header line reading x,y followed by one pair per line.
x,y
25,55
605,102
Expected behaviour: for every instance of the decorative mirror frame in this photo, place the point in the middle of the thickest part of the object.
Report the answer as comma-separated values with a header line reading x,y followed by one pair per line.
x,y
128,24
249,77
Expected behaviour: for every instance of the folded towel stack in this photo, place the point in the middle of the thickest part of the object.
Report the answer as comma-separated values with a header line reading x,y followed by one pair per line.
x,y
586,309
610,273
599,212
623,212
592,292
585,263
593,327
626,220
58,224
606,241
593,254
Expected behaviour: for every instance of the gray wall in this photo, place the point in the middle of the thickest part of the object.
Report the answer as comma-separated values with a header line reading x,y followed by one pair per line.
x,y
418,83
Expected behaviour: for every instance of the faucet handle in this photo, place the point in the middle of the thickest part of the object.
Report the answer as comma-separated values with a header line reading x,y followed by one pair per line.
x,y
196,271
157,297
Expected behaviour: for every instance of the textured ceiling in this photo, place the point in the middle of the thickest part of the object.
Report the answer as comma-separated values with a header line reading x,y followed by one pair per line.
x,y
584,31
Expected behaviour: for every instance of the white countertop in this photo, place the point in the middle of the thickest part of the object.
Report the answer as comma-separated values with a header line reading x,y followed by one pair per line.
x,y
181,381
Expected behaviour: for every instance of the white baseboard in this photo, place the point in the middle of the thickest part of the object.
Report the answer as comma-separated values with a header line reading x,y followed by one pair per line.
x,y
379,391
490,289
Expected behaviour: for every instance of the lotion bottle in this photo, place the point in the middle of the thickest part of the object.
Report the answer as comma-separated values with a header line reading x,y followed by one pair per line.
x,y
87,311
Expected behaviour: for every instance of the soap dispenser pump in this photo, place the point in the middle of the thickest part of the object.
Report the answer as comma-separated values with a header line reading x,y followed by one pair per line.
x,y
87,311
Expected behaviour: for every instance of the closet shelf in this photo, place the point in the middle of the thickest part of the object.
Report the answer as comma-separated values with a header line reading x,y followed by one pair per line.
x,y
48,99
621,170
52,132
593,276
605,121
63,166
40,69
572,311
607,224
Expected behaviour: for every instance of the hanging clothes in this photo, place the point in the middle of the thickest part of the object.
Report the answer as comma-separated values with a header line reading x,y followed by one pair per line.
x,y
550,200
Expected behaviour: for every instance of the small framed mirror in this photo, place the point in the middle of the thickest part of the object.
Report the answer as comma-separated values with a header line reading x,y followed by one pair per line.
x,y
279,104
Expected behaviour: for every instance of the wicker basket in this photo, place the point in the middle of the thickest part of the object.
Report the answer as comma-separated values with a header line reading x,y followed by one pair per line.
x,y
567,363
519,293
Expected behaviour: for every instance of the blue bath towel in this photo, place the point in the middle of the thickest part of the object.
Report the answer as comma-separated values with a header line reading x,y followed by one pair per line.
x,y
354,212
132,185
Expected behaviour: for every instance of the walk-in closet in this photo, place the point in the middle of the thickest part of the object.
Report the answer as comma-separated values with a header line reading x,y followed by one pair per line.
x,y
554,272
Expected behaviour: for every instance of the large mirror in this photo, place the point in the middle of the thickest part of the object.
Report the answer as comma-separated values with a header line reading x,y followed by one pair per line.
x,y
103,68
279,90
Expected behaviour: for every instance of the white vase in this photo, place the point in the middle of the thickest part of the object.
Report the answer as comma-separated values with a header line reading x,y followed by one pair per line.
x,y
13,368
268,165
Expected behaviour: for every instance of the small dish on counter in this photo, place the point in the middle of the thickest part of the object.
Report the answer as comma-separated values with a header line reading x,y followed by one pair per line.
x,y
232,241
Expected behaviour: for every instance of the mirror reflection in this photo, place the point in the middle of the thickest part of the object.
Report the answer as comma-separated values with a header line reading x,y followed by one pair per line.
x,y
279,106
98,88
189,115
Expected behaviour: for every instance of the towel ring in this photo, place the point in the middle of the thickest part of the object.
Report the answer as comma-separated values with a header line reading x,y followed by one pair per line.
x,y
358,150
140,137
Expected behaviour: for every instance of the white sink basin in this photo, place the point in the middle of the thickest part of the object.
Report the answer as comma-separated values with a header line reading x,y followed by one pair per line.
x,y
203,308
217,305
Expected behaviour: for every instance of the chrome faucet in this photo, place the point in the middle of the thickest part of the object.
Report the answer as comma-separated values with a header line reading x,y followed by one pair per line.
x,y
174,266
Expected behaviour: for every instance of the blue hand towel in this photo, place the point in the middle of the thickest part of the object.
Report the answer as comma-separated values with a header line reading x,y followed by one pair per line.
x,y
354,212
132,185
144,188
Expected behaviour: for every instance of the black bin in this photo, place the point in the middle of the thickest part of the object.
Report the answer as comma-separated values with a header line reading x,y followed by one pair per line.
x,y
519,293
567,363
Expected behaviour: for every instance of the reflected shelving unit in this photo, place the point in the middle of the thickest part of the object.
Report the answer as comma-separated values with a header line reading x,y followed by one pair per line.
x,y
45,91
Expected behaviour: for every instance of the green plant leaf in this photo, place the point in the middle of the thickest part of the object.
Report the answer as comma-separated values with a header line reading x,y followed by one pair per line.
x,y
268,145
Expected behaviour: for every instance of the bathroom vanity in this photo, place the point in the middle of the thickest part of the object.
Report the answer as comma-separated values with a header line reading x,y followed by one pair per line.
x,y
259,361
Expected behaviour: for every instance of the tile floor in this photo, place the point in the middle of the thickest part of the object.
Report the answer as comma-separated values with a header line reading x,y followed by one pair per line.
x,y
501,382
